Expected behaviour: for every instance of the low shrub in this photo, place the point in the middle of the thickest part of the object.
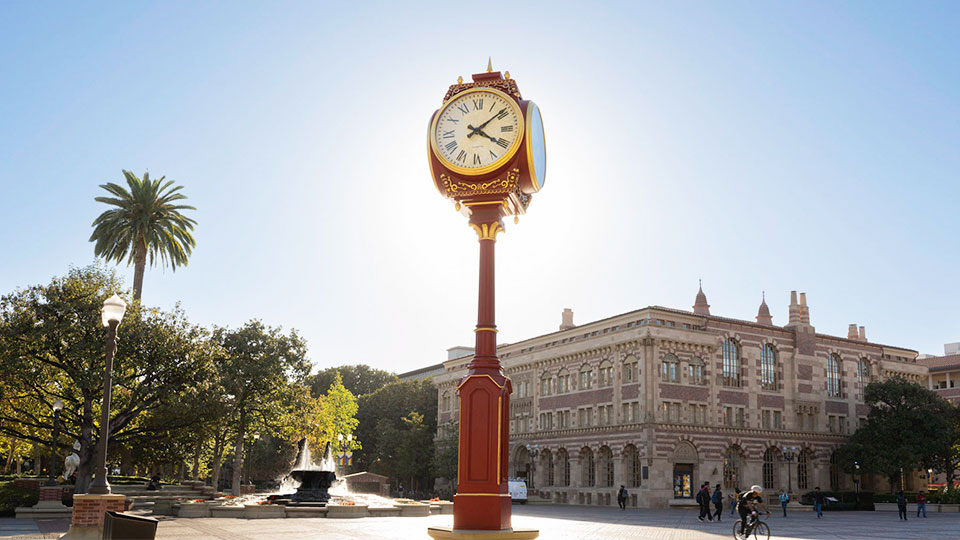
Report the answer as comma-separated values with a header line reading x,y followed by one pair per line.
x,y
11,497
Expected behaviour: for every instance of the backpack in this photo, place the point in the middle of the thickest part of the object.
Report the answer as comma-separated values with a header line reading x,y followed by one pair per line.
x,y
717,497
700,497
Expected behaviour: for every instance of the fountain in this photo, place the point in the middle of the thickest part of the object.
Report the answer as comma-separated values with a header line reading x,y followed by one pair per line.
x,y
315,480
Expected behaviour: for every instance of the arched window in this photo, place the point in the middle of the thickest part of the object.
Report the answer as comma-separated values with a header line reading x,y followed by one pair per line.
x,y
546,384
731,467
588,474
833,375
606,373
446,401
563,381
632,465
586,381
631,373
671,368
546,460
768,367
803,477
605,466
834,472
521,464
696,370
731,363
563,468
771,468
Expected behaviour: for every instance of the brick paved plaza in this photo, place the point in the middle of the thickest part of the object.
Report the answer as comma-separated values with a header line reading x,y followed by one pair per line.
x,y
554,522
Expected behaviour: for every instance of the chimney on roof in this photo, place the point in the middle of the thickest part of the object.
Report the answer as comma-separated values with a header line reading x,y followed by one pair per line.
x,y
863,333
852,332
566,319
804,309
794,313
799,313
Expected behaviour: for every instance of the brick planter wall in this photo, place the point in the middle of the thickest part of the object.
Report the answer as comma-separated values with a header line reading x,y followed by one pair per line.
x,y
88,510
29,483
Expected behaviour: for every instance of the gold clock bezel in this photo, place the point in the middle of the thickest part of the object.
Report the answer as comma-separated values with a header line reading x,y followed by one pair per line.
x,y
537,178
507,156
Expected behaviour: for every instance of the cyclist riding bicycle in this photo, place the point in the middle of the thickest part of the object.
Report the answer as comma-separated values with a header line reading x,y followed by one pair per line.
x,y
748,504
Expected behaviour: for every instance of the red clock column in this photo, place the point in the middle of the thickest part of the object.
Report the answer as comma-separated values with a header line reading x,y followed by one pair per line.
x,y
483,500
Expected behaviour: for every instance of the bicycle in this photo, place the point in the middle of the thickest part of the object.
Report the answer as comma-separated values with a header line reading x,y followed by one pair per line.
x,y
759,529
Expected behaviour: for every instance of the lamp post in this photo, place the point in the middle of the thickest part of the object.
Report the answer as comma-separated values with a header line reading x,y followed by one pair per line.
x,y
533,452
113,309
57,407
856,481
789,454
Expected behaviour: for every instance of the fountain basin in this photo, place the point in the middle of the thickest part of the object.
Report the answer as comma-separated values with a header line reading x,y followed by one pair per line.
x,y
413,509
193,509
347,511
305,511
263,511
235,511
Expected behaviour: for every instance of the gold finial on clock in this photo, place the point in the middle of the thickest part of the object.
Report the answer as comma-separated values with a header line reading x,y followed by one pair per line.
x,y
459,80
489,64
506,75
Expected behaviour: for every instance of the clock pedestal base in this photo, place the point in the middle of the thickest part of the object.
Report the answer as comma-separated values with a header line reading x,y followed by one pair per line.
x,y
447,533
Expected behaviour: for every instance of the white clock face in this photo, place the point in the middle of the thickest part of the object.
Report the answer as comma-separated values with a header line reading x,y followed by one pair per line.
x,y
477,131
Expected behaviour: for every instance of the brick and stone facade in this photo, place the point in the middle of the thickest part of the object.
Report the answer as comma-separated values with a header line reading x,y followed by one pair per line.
x,y
661,400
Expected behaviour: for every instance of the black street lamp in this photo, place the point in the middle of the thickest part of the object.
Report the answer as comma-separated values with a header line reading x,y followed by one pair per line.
x,y
113,309
856,481
57,407
789,453
533,452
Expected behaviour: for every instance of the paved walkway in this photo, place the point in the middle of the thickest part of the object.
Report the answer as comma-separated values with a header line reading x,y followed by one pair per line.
x,y
554,523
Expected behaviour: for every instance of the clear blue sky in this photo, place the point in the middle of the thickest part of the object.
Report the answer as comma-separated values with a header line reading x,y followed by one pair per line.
x,y
759,146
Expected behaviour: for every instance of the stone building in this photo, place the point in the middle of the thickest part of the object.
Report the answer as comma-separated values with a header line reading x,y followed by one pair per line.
x,y
944,376
662,400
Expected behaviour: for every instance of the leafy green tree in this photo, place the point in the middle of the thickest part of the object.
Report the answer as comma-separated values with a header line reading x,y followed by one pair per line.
x,y
262,373
51,346
391,432
337,415
146,222
446,454
908,427
359,379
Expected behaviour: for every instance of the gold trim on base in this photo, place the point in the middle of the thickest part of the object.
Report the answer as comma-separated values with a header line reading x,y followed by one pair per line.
x,y
488,231
485,329
448,533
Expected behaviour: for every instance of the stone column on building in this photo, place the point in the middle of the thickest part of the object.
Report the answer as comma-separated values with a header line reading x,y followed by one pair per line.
x,y
618,476
575,469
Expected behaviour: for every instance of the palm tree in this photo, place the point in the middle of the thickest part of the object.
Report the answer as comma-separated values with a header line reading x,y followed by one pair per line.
x,y
145,221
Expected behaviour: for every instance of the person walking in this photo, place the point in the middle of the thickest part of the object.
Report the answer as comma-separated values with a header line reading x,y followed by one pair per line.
x,y
818,501
784,499
703,499
921,504
622,497
901,505
718,501
736,499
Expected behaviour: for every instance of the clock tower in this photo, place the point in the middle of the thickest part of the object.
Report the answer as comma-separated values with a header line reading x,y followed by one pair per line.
x,y
487,155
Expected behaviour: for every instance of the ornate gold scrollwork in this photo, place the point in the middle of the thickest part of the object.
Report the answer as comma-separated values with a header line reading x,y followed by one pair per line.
x,y
497,185
487,231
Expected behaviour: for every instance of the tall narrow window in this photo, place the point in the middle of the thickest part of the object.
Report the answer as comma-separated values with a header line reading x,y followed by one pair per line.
x,y
546,384
770,468
632,465
768,367
605,466
563,467
671,368
563,381
696,370
630,371
731,363
587,468
606,373
833,375
585,377
731,467
834,472
863,376
803,481
547,459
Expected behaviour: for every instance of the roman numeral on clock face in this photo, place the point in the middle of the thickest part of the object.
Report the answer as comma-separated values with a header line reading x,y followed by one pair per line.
x,y
476,160
463,108
504,129
451,146
503,143
478,104
462,156
502,114
492,155
448,134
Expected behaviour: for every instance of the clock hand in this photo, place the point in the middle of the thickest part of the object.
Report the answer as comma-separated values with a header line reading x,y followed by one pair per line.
x,y
477,129
482,134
